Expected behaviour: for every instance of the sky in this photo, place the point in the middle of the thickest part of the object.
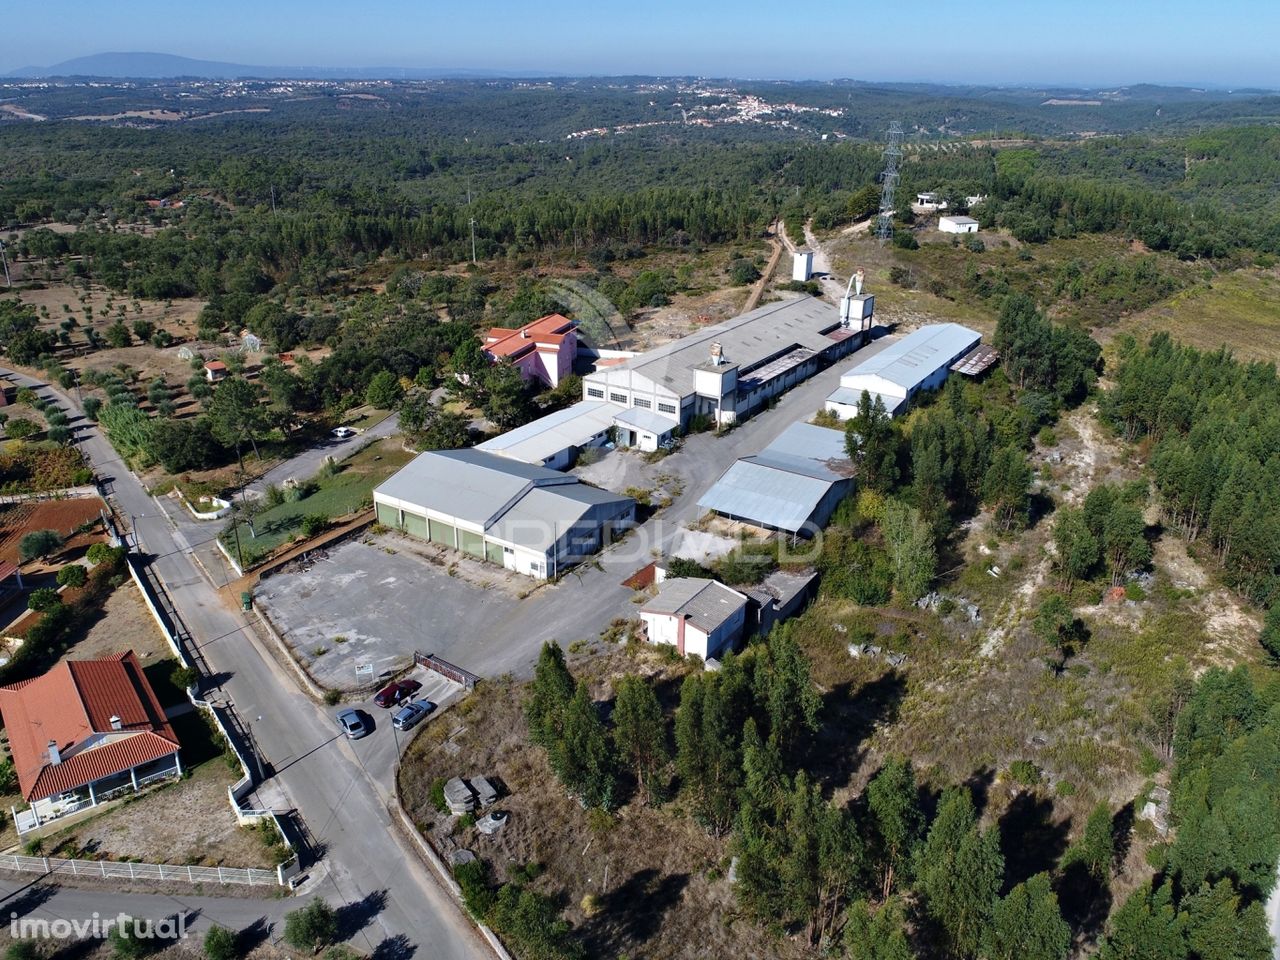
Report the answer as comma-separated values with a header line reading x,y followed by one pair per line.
x,y
1085,42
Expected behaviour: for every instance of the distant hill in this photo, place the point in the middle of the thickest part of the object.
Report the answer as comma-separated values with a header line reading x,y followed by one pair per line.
x,y
161,66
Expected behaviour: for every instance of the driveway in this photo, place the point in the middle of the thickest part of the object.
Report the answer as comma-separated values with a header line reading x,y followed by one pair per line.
x,y
306,464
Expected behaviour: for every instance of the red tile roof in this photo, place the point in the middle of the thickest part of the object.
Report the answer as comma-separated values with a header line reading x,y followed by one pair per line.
x,y
72,705
215,365
548,331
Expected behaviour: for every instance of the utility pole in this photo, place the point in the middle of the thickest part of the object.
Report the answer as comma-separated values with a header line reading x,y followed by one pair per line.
x,y
473,239
273,199
5,260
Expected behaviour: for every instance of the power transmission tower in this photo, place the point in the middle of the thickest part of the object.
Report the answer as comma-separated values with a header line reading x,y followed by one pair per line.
x,y
892,153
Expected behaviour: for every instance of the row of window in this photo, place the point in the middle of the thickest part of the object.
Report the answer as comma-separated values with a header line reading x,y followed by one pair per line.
x,y
597,393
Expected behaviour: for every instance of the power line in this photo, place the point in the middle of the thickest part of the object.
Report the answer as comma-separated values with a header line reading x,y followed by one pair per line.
x,y
892,153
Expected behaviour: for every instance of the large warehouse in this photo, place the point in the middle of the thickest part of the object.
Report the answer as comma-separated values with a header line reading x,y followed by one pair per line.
x,y
526,518
792,485
728,370
919,361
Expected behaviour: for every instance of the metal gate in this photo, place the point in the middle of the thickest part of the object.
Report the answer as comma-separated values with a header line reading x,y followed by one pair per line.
x,y
446,669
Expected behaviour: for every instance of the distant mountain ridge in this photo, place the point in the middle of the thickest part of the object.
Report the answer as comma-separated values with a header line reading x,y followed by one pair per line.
x,y
162,66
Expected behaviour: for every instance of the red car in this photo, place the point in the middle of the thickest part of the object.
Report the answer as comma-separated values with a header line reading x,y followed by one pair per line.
x,y
397,692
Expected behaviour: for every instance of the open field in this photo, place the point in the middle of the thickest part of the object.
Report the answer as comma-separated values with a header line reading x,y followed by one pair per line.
x,y
347,491
1239,310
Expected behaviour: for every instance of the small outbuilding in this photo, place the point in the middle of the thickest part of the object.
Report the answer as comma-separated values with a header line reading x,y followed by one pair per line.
x,y
957,224
696,615
215,370
802,266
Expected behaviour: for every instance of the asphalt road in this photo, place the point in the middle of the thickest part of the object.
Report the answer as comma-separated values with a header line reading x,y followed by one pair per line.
x,y
344,809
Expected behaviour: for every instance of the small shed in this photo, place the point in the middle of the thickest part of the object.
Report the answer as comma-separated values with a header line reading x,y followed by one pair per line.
x,y
695,615
802,266
215,370
957,224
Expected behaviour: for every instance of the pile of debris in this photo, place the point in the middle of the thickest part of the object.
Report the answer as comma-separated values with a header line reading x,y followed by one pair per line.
x,y
933,600
463,796
869,650
1156,810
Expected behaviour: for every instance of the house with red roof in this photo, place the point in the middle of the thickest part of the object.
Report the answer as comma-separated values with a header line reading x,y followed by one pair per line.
x,y
85,732
543,350
215,370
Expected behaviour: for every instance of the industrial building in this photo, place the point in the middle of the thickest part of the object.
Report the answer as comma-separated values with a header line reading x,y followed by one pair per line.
x,y
555,440
793,485
919,361
525,518
728,370
695,615
957,224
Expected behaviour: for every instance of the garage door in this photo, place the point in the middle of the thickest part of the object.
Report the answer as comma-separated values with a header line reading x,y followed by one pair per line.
x,y
493,553
388,516
472,543
441,533
415,525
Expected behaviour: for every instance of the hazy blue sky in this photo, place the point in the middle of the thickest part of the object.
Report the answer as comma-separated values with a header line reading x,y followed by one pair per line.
x,y
1230,42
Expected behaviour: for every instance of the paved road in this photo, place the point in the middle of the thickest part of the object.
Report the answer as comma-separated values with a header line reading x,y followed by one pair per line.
x,y
307,463
322,775
38,898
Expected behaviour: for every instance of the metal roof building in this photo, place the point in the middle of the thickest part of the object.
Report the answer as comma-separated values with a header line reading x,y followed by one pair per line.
x,y
524,517
554,440
919,361
695,615
729,369
792,485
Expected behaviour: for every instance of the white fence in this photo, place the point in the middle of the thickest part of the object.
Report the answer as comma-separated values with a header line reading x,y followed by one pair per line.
x,y
112,870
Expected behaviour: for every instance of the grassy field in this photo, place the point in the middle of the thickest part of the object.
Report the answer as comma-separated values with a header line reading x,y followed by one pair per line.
x,y
1240,310
345,492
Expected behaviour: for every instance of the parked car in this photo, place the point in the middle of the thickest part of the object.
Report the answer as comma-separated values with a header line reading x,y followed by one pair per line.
x,y
353,725
396,692
411,714
343,433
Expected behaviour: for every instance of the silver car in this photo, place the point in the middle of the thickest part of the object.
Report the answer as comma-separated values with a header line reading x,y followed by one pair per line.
x,y
353,725
411,714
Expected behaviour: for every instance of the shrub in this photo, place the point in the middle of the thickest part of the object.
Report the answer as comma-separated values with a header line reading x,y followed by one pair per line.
x,y
125,946
220,944
311,927
1024,772
72,575
104,553
8,777
38,543
1133,591
332,697
313,524
184,677
22,950
272,496
19,428
437,795
60,435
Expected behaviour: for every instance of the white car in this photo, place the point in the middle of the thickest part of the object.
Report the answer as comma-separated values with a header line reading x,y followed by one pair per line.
x,y
343,433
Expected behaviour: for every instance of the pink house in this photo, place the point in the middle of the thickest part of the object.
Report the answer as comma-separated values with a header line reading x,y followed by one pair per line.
x,y
543,350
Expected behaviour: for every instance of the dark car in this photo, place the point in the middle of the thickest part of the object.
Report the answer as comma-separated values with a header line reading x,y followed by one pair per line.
x,y
353,725
397,692
411,713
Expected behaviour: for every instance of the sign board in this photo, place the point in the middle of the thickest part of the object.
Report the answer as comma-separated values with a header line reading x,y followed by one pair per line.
x,y
364,671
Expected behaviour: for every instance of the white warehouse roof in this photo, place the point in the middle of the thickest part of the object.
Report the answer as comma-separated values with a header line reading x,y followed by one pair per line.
x,y
915,357
541,439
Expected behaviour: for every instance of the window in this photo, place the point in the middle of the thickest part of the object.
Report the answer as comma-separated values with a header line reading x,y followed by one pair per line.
x,y
642,403
618,397
597,392
667,408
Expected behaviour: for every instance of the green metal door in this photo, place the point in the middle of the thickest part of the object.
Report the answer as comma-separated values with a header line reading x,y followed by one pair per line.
x,y
442,533
415,525
472,543
388,516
